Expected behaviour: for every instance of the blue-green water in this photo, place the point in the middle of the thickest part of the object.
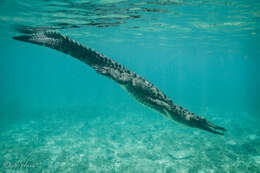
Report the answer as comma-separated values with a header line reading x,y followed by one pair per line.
x,y
59,115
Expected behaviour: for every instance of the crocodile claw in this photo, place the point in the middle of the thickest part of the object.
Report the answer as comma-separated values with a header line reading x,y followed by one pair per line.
x,y
210,127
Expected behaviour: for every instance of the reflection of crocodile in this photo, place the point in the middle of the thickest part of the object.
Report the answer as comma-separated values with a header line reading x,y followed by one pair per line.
x,y
142,90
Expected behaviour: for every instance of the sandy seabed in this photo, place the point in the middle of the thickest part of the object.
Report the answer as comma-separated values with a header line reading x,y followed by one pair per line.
x,y
109,140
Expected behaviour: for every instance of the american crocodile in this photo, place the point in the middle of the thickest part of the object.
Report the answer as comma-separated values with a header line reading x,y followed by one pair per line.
x,y
141,89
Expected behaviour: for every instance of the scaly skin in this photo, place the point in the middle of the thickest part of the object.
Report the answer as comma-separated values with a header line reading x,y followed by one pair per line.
x,y
141,89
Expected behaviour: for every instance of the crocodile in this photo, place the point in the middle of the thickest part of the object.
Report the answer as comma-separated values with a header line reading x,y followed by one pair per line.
x,y
141,89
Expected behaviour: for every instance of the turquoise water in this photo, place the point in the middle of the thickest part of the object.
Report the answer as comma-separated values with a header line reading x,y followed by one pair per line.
x,y
59,115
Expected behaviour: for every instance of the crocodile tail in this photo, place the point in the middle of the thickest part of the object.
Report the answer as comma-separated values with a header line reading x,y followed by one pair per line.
x,y
55,40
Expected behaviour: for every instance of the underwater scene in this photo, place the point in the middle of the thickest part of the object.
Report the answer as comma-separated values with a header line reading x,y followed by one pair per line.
x,y
74,72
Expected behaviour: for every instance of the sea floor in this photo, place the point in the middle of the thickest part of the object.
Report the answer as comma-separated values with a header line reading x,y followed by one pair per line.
x,y
118,140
